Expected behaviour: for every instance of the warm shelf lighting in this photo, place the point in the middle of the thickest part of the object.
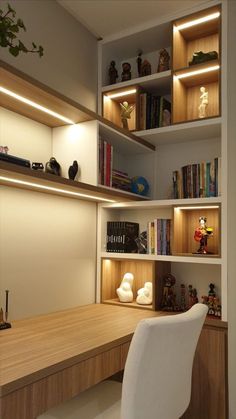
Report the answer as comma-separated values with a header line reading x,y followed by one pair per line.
x,y
197,21
197,207
52,189
195,72
35,105
120,94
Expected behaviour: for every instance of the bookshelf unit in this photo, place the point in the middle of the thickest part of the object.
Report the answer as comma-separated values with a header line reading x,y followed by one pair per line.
x,y
187,141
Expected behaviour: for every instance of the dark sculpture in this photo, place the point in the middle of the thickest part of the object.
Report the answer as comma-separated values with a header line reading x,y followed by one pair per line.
x,y
139,63
37,166
53,167
126,73
113,74
164,61
73,170
145,68
200,57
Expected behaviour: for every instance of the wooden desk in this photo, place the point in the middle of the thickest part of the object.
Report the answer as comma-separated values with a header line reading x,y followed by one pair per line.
x,y
49,359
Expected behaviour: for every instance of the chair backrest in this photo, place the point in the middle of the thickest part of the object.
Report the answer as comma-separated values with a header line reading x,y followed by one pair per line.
x,y
158,370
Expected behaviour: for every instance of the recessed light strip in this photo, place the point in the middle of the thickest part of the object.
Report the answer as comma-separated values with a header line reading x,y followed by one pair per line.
x,y
197,207
35,105
52,189
195,72
120,94
197,21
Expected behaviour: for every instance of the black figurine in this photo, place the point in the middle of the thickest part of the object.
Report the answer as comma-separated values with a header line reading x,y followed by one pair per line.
x,y
139,62
37,166
126,73
53,167
73,170
113,74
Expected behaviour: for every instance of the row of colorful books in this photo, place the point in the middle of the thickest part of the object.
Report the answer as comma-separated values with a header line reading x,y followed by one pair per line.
x,y
122,236
105,163
159,237
200,180
121,180
154,111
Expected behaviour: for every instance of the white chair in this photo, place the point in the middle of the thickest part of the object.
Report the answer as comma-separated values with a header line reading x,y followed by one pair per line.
x,y
157,376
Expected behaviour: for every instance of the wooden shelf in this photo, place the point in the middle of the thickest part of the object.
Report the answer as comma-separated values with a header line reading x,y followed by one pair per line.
x,y
25,178
181,258
183,132
200,78
116,302
163,203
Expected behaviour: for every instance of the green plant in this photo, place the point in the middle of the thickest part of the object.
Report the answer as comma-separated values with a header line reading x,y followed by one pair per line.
x,y
10,26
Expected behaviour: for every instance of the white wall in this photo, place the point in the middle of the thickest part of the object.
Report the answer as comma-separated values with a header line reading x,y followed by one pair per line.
x,y
231,127
69,64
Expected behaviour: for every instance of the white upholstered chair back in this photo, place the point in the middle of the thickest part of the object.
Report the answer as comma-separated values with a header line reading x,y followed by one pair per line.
x,y
158,371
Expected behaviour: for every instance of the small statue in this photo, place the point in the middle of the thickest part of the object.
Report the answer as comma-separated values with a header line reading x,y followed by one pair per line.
x,y
139,63
73,170
145,294
126,72
164,60
4,149
183,297
53,167
201,234
113,74
126,110
37,166
211,292
125,292
200,57
168,302
146,68
202,109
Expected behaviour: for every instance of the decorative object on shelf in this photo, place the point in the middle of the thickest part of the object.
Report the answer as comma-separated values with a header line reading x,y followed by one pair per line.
x,y
125,292
14,160
37,166
4,149
202,109
141,242
200,57
164,61
145,294
168,302
126,72
73,170
53,167
139,185
192,296
166,118
146,68
212,301
10,27
125,114
183,305
4,323
113,73
139,62
201,234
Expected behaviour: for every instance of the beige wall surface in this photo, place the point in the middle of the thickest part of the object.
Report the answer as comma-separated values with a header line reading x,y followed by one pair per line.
x,y
69,64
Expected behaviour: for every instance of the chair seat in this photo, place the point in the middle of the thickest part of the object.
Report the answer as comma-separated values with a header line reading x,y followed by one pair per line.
x,y
99,402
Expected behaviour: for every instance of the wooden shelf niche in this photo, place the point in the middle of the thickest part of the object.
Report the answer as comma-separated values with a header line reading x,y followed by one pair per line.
x,y
113,271
186,220
112,108
203,37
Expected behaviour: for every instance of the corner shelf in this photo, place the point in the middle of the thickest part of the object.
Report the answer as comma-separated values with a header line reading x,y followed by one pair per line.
x,y
22,177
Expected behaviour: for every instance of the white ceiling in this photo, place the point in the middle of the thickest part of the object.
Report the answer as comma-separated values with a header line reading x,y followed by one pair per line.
x,y
107,17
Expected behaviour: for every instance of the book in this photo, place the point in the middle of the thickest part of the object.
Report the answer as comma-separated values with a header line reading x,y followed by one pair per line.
x,y
121,236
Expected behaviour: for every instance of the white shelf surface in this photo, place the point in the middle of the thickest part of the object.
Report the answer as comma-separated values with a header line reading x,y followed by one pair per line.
x,y
159,81
210,260
131,194
184,132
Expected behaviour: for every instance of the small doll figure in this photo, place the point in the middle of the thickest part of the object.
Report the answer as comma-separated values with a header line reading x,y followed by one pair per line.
x,y
164,61
201,234
202,109
211,292
126,72
139,63
113,74
182,297
168,299
146,68
125,114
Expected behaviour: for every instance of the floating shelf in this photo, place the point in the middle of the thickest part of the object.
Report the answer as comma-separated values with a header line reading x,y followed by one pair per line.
x,y
163,203
188,258
25,178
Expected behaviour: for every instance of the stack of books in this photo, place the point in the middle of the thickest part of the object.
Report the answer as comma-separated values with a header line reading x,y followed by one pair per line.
x,y
121,180
155,111
121,236
201,180
159,237
105,163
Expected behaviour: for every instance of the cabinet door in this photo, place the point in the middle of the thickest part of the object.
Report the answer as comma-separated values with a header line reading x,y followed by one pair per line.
x,y
209,380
